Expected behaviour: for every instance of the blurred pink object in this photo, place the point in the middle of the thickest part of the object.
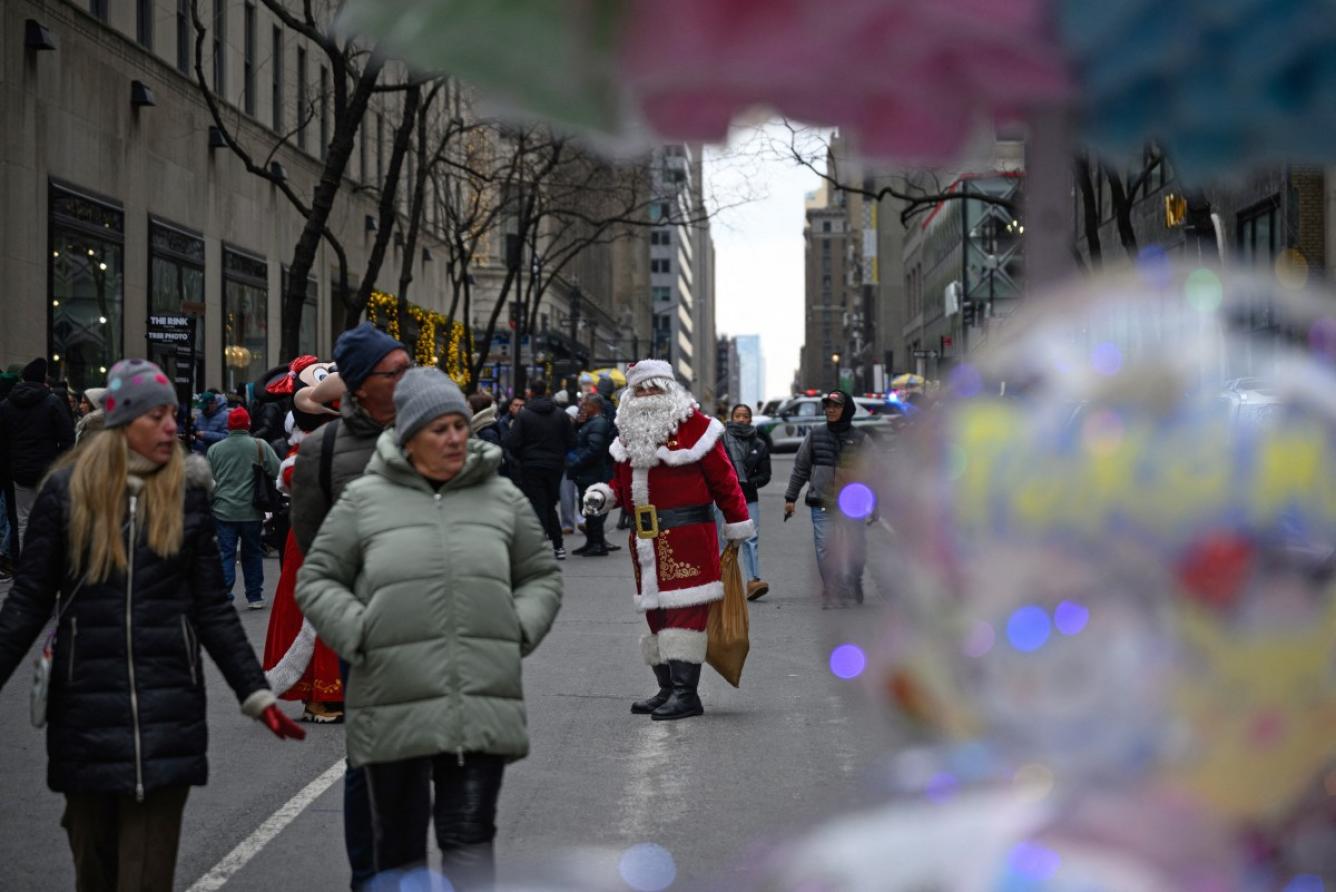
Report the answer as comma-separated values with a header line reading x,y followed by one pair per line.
x,y
910,77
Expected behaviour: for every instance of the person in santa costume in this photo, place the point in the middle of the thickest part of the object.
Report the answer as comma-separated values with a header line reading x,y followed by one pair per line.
x,y
297,664
670,467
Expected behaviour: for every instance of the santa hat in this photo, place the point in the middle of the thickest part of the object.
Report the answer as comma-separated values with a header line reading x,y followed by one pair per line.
x,y
238,420
647,370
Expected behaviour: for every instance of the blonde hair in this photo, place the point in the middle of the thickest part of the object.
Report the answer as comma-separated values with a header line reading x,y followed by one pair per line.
x,y
98,501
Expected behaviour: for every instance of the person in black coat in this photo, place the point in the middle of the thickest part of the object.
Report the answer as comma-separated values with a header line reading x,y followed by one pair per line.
x,y
750,455
121,548
538,440
486,426
587,464
35,428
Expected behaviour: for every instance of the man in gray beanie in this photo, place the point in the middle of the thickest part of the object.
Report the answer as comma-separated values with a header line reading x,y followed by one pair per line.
x,y
371,364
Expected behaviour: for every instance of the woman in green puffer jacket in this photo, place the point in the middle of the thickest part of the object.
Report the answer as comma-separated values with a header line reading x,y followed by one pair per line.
x,y
430,576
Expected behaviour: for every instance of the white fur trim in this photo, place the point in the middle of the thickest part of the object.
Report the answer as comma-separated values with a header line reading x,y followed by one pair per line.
x,y
289,670
609,499
281,482
295,434
646,369
679,597
618,451
686,645
258,702
649,566
649,649
743,529
706,442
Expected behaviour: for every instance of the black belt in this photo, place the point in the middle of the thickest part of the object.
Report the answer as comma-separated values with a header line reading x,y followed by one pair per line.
x,y
650,521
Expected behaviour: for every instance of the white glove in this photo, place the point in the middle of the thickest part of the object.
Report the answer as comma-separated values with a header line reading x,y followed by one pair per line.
x,y
598,500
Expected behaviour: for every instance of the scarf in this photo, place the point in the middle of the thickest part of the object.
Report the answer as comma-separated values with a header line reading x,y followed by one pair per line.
x,y
738,442
483,418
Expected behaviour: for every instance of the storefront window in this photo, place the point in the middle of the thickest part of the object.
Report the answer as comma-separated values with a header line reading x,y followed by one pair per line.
x,y
245,319
176,286
86,290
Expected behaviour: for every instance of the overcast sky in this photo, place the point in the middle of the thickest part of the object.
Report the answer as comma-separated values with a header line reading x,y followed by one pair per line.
x,y
758,238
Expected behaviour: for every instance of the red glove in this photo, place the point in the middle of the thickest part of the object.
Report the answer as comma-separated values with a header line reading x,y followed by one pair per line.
x,y
277,721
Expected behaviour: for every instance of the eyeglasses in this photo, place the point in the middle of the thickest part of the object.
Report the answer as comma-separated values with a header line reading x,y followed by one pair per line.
x,y
393,374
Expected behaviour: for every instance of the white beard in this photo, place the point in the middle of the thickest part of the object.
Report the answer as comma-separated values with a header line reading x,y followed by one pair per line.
x,y
644,423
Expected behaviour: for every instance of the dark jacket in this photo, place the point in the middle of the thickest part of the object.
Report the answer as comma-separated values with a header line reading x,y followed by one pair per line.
x,y
755,452
126,666
268,421
587,463
354,443
540,436
825,448
34,429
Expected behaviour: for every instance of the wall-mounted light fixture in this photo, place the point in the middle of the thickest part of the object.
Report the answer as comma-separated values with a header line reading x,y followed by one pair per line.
x,y
278,171
141,95
36,37
426,256
216,138
370,223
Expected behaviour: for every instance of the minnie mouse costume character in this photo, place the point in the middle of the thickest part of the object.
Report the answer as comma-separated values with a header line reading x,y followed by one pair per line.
x,y
297,664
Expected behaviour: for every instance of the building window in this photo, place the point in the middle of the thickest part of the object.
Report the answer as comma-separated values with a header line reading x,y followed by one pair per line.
x,y
301,98
144,23
1258,233
99,9
278,79
183,36
660,237
220,47
660,265
245,318
248,61
307,333
324,112
85,287
175,285
660,211
660,294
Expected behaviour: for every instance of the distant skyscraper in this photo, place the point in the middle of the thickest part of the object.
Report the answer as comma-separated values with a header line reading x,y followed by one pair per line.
x,y
751,370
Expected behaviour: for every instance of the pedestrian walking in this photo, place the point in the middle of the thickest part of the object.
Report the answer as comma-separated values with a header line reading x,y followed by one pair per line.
x,y
841,541
430,576
94,419
239,522
370,364
35,428
121,547
568,491
486,426
587,464
210,421
670,468
751,461
539,438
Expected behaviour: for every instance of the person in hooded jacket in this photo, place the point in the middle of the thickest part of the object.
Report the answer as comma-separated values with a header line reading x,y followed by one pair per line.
x,y
751,459
822,460
430,576
210,421
486,426
121,548
35,428
587,464
538,439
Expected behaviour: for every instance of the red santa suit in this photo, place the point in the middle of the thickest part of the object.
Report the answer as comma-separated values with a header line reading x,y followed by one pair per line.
x,y
677,570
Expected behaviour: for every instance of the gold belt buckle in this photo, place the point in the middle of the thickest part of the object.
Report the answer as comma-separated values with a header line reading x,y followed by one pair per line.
x,y
647,522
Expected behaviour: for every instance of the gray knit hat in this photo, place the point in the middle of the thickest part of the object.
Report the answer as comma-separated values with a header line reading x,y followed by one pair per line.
x,y
135,386
422,395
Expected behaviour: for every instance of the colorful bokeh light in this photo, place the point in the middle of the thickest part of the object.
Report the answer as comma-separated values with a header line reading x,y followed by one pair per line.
x,y
1028,628
857,500
1071,617
647,867
847,661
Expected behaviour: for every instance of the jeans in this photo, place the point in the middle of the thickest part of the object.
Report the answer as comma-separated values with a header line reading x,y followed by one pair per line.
x,y
569,492
464,812
751,548
119,843
252,556
841,553
543,489
358,836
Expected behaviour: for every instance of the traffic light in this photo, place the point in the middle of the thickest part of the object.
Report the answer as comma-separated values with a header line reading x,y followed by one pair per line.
x,y
967,313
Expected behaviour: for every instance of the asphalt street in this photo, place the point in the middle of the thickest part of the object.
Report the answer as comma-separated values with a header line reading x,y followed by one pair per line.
x,y
792,745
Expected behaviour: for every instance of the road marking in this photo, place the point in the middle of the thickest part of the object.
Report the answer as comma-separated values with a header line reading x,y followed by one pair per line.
x,y
264,834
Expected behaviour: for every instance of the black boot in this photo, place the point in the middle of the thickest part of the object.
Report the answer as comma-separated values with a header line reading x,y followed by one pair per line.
x,y
470,868
684,703
649,704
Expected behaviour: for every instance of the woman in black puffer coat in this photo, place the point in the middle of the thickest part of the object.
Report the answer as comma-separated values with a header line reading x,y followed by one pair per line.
x,y
125,540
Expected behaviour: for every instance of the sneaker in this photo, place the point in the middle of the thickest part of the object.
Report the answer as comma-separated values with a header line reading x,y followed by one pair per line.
x,y
566,531
756,589
256,605
320,714
560,553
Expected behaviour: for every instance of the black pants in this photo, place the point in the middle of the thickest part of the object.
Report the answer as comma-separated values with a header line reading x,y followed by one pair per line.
x,y
464,813
543,489
593,525
121,845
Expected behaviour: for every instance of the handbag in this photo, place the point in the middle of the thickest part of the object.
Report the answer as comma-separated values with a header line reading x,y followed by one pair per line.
x,y
726,631
264,495
41,674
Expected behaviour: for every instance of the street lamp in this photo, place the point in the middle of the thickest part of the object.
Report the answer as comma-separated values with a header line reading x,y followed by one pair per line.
x,y
835,361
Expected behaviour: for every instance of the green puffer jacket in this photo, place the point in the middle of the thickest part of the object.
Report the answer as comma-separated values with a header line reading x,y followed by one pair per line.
x,y
433,597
